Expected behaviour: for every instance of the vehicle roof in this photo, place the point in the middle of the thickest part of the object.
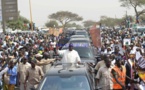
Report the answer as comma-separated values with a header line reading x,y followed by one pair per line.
x,y
81,36
77,45
79,39
75,71
81,31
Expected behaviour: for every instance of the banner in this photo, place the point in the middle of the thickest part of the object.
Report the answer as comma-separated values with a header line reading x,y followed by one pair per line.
x,y
126,42
56,32
60,30
51,31
141,75
95,37
141,62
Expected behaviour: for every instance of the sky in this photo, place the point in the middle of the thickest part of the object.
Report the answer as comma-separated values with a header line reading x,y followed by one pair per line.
x,y
88,9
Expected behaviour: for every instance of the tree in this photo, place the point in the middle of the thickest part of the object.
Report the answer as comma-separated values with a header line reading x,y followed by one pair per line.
x,y
24,20
65,17
107,21
110,22
15,24
51,24
71,25
88,23
135,4
142,18
18,24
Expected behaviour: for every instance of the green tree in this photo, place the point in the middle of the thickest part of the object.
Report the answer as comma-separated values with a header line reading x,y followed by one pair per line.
x,y
135,4
142,18
18,24
107,21
110,22
88,23
65,17
24,20
51,24
15,24
71,25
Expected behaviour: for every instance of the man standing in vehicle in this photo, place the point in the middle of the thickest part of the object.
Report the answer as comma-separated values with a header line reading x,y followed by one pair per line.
x,y
70,55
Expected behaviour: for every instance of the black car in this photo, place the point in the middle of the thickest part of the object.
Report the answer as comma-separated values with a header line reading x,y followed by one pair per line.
x,y
77,36
73,78
82,32
85,51
86,40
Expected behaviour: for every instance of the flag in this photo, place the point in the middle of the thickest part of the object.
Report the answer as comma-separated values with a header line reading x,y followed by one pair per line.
x,y
51,31
141,63
95,36
56,33
60,30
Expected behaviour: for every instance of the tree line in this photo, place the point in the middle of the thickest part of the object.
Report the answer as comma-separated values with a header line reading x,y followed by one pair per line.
x,y
68,19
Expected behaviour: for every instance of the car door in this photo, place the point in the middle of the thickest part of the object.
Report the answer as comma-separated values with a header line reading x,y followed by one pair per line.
x,y
91,77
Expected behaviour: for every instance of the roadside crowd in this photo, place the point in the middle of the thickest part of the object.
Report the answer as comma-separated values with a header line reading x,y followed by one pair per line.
x,y
122,59
25,58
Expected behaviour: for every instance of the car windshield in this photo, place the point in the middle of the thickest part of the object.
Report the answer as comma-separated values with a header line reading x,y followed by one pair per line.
x,y
84,52
65,83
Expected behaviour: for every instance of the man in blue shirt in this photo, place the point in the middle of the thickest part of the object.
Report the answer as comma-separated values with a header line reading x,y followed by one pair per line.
x,y
12,73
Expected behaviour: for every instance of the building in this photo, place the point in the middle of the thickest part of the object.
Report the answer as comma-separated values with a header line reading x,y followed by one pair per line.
x,y
10,9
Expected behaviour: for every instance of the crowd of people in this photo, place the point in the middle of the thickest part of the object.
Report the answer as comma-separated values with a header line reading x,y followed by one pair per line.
x,y
25,58
120,61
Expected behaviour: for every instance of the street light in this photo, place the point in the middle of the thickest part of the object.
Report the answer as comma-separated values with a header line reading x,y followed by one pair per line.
x,y
31,15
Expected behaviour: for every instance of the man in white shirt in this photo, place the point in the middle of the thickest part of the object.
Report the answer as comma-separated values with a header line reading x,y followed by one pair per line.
x,y
53,43
70,55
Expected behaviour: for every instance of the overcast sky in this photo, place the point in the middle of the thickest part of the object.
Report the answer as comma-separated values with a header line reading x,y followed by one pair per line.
x,y
88,9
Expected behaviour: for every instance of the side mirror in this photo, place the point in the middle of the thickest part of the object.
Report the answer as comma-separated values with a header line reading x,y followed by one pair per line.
x,y
98,57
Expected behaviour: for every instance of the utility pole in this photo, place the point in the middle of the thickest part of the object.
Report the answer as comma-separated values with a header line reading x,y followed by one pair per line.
x,y
3,17
31,15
